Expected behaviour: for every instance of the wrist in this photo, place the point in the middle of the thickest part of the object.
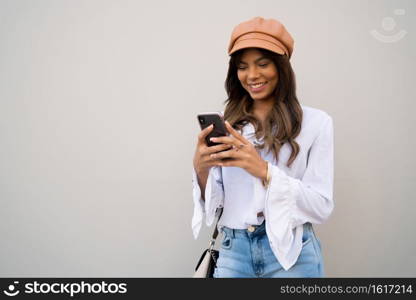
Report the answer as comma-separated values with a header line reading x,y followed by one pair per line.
x,y
201,172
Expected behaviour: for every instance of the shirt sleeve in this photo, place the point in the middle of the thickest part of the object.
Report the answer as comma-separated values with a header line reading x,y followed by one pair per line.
x,y
214,198
290,202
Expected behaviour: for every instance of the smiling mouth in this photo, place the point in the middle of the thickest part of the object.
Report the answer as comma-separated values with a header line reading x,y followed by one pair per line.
x,y
257,85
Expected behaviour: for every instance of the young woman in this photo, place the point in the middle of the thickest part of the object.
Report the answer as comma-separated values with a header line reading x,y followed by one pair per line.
x,y
279,180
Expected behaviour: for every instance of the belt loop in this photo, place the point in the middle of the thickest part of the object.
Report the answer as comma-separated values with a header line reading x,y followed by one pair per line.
x,y
309,227
228,231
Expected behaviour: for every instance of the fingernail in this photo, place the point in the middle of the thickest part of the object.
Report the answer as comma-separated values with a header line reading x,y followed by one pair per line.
x,y
212,139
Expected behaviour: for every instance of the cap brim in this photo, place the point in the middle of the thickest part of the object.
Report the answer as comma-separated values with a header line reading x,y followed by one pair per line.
x,y
257,44
259,40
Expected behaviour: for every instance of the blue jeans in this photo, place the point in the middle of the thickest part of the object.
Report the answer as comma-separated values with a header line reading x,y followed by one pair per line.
x,y
248,254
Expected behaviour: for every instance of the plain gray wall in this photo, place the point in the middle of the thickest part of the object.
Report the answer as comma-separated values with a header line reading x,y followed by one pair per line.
x,y
97,108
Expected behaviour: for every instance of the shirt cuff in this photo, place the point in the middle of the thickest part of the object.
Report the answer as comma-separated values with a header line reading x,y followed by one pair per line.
x,y
214,197
279,209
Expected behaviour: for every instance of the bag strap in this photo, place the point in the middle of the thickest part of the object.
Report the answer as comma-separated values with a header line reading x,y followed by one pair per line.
x,y
215,233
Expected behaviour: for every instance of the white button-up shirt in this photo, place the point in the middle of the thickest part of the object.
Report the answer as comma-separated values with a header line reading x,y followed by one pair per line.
x,y
295,195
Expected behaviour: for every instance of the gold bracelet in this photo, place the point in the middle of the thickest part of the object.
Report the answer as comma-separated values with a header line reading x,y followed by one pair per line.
x,y
268,176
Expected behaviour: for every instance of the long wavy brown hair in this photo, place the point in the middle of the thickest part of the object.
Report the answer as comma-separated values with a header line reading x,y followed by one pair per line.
x,y
283,123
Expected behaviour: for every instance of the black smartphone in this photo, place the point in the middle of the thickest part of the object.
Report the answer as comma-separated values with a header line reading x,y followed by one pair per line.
x,y
207,118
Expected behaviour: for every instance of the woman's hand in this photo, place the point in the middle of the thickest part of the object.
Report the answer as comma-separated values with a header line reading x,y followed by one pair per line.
x,y
243,154
202,160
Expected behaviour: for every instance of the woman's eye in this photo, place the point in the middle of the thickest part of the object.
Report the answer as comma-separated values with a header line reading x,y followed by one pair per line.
x,y
261,65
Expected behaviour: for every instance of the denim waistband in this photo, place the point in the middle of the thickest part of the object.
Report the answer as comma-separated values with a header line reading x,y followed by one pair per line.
x,y
258,230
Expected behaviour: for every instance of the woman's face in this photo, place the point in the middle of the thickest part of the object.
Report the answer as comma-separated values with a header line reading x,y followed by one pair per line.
x,y
257,74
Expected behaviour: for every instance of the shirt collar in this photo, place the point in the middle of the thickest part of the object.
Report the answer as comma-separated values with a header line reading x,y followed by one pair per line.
x,y
250,134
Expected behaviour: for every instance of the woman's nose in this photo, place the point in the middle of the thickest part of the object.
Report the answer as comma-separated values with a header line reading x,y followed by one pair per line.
x,y
253,73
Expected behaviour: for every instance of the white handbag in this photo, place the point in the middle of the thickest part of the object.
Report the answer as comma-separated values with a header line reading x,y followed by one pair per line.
x,y
206,265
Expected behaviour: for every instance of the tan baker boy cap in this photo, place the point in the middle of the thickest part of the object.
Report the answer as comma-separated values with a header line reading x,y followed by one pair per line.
x,y
263,33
